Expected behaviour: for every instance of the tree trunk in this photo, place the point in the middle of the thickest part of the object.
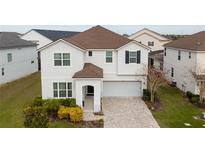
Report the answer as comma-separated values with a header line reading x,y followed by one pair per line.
x,y
152,97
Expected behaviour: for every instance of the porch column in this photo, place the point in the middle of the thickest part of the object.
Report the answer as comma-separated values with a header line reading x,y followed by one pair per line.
x,y
79,94
97,98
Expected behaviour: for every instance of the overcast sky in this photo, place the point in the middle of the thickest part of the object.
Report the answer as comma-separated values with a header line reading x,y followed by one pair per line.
x,y
122,29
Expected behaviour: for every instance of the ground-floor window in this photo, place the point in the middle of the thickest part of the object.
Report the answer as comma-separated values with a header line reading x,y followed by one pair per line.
x,y
62,89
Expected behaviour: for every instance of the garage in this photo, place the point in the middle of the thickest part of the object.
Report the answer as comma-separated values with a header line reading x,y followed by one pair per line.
x,y
122,88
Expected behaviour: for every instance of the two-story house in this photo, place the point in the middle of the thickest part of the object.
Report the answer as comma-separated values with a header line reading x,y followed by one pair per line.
x,y
155,41
43,37
96,62
18,57
184,62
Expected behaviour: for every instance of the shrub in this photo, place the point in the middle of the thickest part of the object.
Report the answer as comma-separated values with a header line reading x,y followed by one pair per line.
x,y
63,112
189,94
52,107
194,99
69,102
75,114
36,117
37,101
146,95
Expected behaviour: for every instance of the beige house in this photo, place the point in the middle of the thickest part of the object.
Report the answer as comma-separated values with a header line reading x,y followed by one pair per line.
x,y
153,40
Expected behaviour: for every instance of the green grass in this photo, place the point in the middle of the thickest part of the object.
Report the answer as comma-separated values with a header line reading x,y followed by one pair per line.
x,y
17,95
176,110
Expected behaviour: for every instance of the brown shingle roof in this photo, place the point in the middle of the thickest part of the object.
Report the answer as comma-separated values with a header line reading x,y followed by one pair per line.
x,y
98,38
195,42
89,71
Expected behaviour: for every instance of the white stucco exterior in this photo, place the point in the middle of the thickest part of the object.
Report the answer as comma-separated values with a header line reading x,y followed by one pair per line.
x,y
32,35
145,35
24,62
115,71
183,68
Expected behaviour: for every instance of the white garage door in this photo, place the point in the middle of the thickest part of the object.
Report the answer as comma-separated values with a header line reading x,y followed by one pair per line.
x,y
122,88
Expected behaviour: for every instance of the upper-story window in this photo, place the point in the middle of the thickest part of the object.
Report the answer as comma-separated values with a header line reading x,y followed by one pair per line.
x,y
150,43
62,59
172,72
108,56
132,57
165,51
9,57
189,55
90,53
179,55
2,71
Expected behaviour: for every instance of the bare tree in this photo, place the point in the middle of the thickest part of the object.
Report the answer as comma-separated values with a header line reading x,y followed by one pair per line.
x,y
155,78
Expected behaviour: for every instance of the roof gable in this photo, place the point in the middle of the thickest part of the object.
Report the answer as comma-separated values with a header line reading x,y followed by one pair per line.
x,y
195,42
150,33
54,35
98,38
89,71
13,40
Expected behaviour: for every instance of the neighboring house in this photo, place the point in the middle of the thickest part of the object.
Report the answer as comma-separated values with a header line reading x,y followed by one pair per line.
x,y
96,62
18,57
183,58
155,41
44,37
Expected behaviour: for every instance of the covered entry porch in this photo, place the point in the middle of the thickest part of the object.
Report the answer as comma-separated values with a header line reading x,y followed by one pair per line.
x,y
88,85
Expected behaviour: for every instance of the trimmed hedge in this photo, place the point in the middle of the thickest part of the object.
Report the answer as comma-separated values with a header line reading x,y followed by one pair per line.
x,y
52,105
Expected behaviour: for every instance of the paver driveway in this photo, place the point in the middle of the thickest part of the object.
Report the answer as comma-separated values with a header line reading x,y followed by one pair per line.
x,y
127,112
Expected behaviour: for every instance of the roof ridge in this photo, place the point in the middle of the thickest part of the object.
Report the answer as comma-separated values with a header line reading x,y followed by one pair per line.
x,y
54,30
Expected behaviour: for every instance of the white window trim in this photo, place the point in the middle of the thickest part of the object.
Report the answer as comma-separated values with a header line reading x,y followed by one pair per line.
x,y
152,42
133,57
66,89
108,57
61,59
10,57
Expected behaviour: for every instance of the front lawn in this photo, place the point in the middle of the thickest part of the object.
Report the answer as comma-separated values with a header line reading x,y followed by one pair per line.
x,y
17,95
176,110
14,97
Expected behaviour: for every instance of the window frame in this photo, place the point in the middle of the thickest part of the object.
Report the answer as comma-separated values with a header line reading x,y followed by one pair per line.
x,y
55,90
62,59
150,43
189,55
2,71
68,90
165,51
172,72
132,57
9,57
90,53
179,55
109,56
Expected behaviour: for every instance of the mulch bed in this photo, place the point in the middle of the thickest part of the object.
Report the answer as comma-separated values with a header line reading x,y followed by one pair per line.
x,y
91,124
156,106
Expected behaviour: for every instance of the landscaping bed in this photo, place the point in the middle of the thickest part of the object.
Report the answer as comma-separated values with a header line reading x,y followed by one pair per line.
x,y
17,95
44,113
